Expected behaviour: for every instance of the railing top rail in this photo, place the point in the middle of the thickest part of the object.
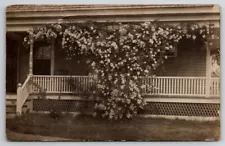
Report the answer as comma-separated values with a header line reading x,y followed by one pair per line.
x,y
215,78
26,82
55,76
170,77
175,77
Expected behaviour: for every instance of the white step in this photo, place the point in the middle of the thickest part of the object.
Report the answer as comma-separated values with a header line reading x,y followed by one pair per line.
x,y
10,115
10,102
11,96
12,109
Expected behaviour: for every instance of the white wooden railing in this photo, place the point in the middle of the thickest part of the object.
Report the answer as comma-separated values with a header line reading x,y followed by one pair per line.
x,y
61,84
172,86
182,86
215,87
23,92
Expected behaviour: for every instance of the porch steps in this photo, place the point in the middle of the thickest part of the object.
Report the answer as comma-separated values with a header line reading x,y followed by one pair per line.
x,y
11,106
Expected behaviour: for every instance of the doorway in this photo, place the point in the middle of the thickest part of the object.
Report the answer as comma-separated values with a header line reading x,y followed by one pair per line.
x,y
11,65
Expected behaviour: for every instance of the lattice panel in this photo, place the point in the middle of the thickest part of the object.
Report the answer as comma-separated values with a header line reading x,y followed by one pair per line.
x,y
63,105
152,108
183,109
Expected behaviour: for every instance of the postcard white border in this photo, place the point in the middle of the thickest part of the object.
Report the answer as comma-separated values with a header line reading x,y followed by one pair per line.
x,y
4,3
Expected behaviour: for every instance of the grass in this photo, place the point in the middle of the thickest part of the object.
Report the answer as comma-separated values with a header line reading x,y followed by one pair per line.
x,y
87,128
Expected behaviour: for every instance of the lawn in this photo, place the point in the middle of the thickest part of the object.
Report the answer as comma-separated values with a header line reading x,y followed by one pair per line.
x,y
87,128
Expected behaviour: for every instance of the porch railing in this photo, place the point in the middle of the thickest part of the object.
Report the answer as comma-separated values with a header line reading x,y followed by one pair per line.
x,y
62,84
183,86
23,92
171,86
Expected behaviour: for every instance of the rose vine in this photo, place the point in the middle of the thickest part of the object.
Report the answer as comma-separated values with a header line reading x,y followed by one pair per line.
x,y
120,54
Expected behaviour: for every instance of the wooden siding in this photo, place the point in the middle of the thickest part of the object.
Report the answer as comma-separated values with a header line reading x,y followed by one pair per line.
x,y
188,62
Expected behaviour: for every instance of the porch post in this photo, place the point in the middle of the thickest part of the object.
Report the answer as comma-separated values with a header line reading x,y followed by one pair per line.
x,y
18,100
31,55
208,71
52,57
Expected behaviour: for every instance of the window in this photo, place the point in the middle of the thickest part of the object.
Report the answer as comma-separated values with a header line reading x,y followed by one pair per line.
x,y
43,53
42,60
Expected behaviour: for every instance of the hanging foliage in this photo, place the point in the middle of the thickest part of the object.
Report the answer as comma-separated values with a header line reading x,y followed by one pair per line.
x,y
120,54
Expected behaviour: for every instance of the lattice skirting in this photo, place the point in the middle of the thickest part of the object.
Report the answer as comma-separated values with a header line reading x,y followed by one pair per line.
x,y
63,105
152,108
183,109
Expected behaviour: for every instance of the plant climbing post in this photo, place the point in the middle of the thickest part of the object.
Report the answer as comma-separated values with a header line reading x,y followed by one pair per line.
x,y
208,71
31,54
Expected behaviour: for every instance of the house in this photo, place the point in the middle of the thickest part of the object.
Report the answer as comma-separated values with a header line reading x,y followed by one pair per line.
x,y
185,86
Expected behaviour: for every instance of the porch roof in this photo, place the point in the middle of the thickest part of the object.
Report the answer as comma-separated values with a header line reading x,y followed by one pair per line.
x,y
25,17
23,8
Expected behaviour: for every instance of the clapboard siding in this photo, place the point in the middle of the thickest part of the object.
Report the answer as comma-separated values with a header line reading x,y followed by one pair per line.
x,y
188,62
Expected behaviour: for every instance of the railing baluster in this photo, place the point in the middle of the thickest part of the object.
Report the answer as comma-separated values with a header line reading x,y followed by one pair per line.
x,y
169,86
196,86
175,86
46,84
178,87
157,82
57,85
191,86
42,84
64,83
53,84
52,80
153,85
172,86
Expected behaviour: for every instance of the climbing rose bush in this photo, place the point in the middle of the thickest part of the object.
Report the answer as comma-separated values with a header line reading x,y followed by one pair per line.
x,y
121,55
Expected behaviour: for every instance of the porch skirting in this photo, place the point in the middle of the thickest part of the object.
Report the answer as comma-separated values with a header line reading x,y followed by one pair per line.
x,y
161,109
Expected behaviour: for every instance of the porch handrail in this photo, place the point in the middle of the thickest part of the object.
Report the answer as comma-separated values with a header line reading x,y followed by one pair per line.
x,y
23,92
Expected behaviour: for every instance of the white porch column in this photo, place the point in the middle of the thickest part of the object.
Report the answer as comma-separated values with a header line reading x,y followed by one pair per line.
x,y
208,71
52,57
31,56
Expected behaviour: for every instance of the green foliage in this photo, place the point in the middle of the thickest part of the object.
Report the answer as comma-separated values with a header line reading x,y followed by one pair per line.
x,y
119,55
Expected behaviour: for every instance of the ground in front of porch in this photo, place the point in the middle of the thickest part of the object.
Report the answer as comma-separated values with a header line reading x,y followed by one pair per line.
x,y
30,126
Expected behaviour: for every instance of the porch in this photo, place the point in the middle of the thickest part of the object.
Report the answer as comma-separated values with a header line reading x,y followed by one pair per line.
x,y
172,95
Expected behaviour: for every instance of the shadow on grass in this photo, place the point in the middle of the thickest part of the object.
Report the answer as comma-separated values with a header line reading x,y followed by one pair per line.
x,y
88,128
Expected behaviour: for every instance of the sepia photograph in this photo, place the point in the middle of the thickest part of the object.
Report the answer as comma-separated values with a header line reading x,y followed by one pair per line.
x,y
105,72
